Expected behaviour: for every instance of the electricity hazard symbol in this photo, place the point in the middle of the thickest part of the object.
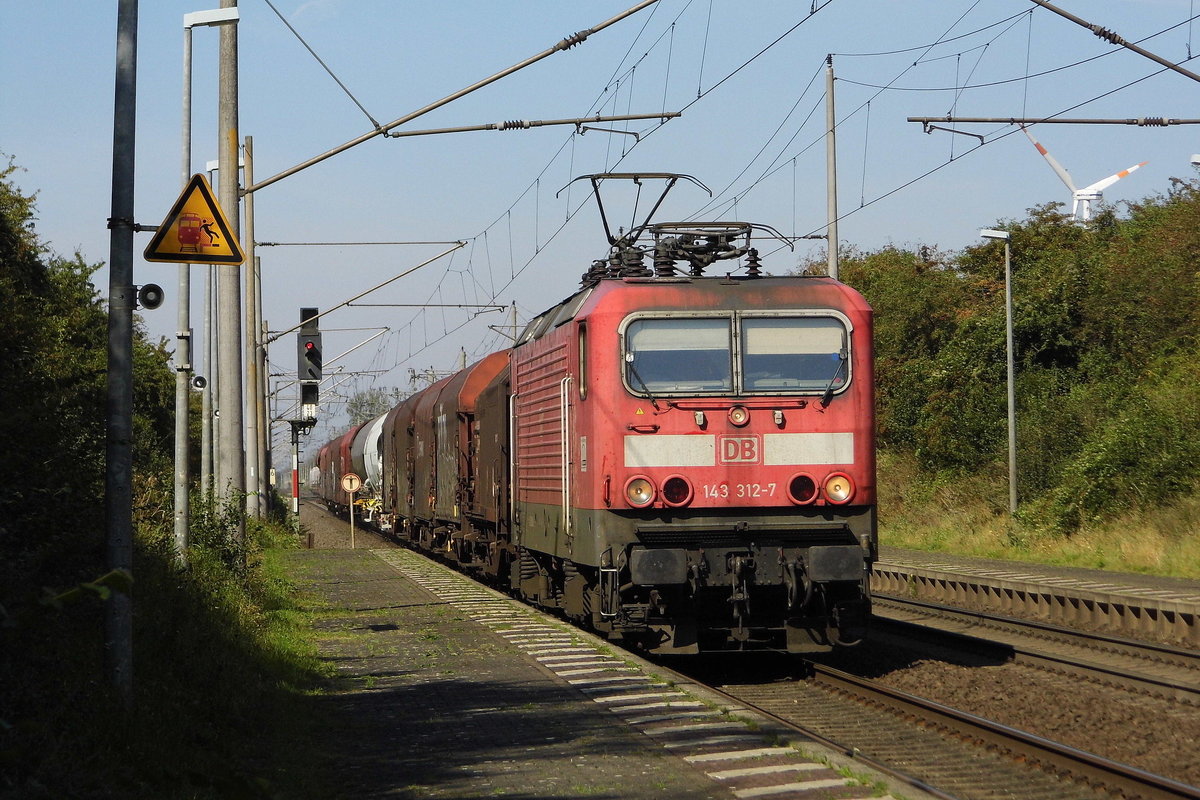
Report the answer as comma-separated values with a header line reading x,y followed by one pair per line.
x,y
196,230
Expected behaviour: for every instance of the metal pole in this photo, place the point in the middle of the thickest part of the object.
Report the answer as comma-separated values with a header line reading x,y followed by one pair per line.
x,y
254,489
1141,122
1012,408
296,468
230,457
264,426
118,473
207,409
211,405
831,172
260,392
183,335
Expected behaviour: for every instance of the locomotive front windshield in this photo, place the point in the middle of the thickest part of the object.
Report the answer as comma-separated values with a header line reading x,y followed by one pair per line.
x,y
679,355
742,354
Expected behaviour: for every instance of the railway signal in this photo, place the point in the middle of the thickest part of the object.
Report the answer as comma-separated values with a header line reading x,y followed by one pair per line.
x,y
308,362
309,366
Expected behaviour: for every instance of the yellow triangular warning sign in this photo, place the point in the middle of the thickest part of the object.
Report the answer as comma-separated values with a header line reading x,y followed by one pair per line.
x,y
196,230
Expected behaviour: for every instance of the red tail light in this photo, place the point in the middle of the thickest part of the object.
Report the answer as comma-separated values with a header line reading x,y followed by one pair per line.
x,y
677,491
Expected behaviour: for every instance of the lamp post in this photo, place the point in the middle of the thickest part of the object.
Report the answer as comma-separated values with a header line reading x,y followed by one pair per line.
x,y
988,233
230,455
183,354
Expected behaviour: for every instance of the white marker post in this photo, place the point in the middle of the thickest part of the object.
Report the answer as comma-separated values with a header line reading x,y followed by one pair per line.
x,y
351,483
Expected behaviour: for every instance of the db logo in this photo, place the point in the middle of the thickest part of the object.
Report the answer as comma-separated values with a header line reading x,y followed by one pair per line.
x,y
738,449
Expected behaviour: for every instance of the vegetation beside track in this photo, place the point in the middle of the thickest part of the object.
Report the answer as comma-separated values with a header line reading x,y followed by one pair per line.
x,y
222,659
1105,321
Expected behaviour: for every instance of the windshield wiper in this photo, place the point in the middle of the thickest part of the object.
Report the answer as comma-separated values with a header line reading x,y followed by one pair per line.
x,y
828,395
633,371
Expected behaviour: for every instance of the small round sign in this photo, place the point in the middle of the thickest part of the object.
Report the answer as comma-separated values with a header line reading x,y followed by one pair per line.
x,y
351,482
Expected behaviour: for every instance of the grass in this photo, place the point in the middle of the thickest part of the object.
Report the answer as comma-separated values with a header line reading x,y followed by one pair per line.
x,y
223,673
968,516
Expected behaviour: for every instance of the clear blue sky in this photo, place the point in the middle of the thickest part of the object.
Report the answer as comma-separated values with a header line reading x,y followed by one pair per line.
x,y
753,135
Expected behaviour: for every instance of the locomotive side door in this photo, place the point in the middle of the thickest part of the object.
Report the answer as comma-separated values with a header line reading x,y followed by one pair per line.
x,y
566,533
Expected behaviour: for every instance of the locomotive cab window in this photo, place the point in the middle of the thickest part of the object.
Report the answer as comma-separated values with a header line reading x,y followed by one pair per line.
x,y
669,355
806,353
790,354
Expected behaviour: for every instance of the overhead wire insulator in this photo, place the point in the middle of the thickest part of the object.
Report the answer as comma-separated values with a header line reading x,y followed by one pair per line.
x,y
572,40
513,124
1107,35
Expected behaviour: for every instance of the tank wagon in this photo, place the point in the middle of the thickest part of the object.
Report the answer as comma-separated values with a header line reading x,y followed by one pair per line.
x,y
679,460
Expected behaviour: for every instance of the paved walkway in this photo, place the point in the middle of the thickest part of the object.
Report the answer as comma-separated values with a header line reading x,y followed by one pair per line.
x,y
449,690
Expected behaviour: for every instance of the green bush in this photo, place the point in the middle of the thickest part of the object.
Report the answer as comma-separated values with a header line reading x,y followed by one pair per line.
x,y
1104,327
216,658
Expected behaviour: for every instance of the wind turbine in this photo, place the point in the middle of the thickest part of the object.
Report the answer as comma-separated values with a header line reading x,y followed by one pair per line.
x,y
1082,207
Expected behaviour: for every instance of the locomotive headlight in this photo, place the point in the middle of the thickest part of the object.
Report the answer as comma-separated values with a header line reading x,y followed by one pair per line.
x,y
639,491
677,491
838,488
739,415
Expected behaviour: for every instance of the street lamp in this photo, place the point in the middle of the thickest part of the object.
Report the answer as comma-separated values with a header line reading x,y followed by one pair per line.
x,y
989,233
183,355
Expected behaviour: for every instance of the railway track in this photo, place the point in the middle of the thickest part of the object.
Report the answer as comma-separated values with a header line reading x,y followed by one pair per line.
x,y
1073,769
962,755
1148,668
1137,607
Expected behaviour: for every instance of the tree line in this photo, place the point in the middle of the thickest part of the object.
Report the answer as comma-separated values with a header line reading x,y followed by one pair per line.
x,y
1105,347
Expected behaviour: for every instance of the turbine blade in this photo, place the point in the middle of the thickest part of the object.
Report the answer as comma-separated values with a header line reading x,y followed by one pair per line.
x,y
1101,185
1058,168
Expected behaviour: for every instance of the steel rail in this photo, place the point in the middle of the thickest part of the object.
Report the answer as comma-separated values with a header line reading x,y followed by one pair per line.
x,y
847,751
1079,765
1154,652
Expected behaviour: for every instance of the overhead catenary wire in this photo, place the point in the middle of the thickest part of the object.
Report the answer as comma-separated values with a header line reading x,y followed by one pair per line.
x,y
974,150
1114,38
325,66
926,174
347,244
564,44
945,164
1023,78
519,265
816,7
943,40
779,159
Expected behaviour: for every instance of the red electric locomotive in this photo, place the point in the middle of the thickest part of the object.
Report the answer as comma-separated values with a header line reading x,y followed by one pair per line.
x,y
679,460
